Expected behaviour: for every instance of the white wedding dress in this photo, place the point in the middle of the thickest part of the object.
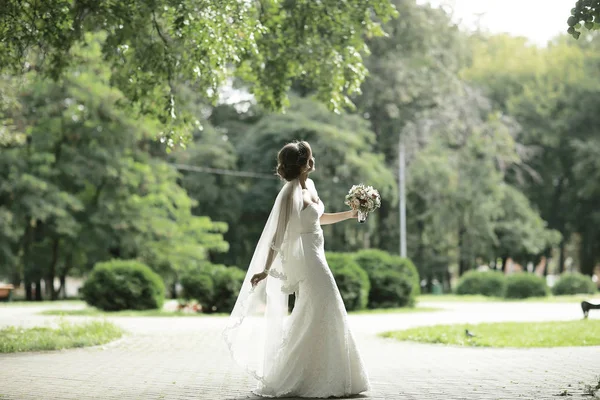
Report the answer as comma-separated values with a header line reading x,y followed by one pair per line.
x,y
310,352
318,356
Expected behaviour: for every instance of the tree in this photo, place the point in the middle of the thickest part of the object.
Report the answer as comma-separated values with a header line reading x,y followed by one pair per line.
x,y
151,46
343,147
542,89
587,172
461,207
521,232
411,70
84,187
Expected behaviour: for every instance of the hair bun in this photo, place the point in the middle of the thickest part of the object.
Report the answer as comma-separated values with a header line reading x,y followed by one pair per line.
x,y
292,160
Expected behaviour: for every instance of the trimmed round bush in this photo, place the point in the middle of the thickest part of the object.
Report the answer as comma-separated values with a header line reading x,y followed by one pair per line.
x,y
574,283
394,280
351,280
215,287
123,285
199,286
488,283
392,289
227,283
523,285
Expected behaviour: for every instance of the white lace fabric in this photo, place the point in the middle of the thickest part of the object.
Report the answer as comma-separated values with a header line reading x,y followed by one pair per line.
x,y
311,352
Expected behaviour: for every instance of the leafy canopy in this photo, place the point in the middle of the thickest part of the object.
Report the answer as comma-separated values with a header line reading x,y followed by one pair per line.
x,y
153,44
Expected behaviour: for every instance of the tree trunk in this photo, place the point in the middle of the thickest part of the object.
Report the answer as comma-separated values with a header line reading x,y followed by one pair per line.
x,y
419,256
429,285
463,265
25,246
16,277
504,262
48,287
28,290
62,290
38,290
174,290
586,253
561,259
447,278
50,292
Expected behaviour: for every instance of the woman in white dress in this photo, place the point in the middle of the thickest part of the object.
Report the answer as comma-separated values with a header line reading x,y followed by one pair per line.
x,y
311,352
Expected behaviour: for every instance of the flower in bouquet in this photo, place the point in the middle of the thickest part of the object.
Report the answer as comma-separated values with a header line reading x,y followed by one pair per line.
x,y
363,198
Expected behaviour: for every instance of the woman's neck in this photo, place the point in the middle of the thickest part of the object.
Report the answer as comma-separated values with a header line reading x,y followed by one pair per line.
x,y
302,179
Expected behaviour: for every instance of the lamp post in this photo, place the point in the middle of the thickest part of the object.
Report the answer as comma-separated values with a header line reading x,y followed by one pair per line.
x,y
402,195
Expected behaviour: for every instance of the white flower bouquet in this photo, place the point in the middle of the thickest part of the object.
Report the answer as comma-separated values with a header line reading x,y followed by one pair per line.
x,y
363,198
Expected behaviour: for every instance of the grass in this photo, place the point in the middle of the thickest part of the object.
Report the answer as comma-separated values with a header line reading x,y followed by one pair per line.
x,y
507,334
67,335
403,310
576,298
94,312
21,303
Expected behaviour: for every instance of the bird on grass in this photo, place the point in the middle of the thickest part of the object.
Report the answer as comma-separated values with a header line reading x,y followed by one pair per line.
x,y
469,333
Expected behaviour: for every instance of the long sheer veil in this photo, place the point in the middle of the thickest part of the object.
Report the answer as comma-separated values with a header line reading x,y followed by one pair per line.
x,y
254,331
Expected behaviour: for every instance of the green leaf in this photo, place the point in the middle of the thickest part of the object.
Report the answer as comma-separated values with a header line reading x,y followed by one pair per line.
x,y
572,21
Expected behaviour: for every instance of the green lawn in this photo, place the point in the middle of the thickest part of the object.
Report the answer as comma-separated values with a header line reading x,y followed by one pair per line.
x,y
507,334
402,310
94,312
20,303
67,335
479,298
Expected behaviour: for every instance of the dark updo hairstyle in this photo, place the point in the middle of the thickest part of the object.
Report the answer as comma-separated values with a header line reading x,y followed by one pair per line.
x,y
292,160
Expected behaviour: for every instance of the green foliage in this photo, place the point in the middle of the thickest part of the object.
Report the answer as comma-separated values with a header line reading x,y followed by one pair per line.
x,y
574,283
542,89
343,147
489,283
228,282
215,287
394,280
586,13
123,285
411,70
521,231
153,46
352,281
523,285
85,187
198,286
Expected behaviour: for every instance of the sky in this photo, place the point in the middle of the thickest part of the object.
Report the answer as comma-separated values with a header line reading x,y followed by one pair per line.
x,y
537,20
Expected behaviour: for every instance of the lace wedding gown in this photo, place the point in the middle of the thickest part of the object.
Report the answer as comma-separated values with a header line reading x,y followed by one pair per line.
x,y
318,356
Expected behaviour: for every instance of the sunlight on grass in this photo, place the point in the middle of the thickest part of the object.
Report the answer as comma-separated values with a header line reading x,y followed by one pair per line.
x,y
94,312
67,335
403,310
479,298
507,334
42,303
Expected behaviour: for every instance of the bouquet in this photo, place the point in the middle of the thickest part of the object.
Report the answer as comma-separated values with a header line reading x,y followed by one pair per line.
x,y
363,198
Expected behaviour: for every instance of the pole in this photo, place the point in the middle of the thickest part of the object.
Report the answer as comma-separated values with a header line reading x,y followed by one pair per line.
x,y
402,205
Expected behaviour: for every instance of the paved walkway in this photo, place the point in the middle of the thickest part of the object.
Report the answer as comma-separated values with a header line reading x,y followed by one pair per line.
x,y
185,358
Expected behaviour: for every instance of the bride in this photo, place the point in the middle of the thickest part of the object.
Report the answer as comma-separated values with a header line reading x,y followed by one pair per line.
x,y
310,352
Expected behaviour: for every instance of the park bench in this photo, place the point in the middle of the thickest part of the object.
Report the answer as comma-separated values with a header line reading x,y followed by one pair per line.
x,y
6,292
586,306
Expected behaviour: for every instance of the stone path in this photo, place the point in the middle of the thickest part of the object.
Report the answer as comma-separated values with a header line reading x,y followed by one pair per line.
x,y
185,358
